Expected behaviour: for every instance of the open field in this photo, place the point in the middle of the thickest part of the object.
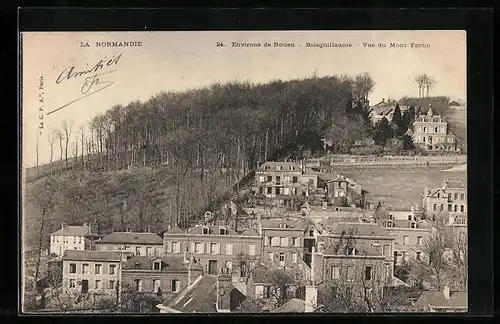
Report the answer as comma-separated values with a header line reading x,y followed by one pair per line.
x,y
401,187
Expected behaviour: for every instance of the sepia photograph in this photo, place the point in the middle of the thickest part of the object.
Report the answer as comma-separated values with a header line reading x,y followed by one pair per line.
x,y
170,172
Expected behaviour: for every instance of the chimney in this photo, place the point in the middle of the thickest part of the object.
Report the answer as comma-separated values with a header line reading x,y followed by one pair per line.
x,y
446,292
224,291
63,225
311,301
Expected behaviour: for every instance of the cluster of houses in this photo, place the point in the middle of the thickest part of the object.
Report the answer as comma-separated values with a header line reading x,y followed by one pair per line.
x,y
217,268
430,131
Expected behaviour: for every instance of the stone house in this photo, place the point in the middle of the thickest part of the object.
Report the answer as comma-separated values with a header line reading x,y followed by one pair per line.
x,y
137,243
431,132
70,238
451,198
214,247
409,238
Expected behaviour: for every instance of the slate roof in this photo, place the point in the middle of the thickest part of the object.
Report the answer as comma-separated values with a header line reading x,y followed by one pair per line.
x,y
362,249
293,223
131,238
262,275
79,255
174,230
285,166
168,264
250,232
401,223
402,295
201,297
294,305
73,231
212,230
458,299
364,229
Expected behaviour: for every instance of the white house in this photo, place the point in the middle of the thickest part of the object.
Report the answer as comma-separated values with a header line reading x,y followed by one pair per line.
x,y
69,238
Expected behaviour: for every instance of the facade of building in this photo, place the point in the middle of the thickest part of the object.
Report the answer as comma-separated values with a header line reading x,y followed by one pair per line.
x,y
91,271
161,276
431,132
70,238
342,186
283,178
451,198
137,243
409,238
214,247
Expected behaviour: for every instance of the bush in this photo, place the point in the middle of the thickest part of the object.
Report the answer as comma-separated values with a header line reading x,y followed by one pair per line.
x,y
367,150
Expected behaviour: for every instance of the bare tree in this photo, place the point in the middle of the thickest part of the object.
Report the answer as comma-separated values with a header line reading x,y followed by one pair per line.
x,y
60,136
50,139
459,259
67,127
429,82
82,142
435,247
284,284
420,80
363,86
37,147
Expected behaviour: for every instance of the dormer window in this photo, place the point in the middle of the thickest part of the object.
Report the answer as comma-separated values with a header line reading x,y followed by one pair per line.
x,y
136,237
389,224
222,231
409,217
390,216
205,230
283,225
292,168
413,225
157,265
266,167
278,167
137,265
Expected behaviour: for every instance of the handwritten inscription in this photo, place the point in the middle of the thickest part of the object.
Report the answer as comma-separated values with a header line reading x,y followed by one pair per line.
x,y
40,104
92,83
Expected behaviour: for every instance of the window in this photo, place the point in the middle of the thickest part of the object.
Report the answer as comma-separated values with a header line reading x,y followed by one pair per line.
x,y
138,285
455,207
79,240
149,251
462,196
310,182
442,207
435,130
449,196
417,255
112,268
275,241
269,178
229,249
294,257
439,195
284,241
261,190
387,250
98,284
419,240
269,190
292,168
266,167
112,284
423,139
262,179
137,250
53,238
335,272
176,285
267,292
205,230
71,283
294,179
156,285
388,270
278,179
176,247
282,258
72,268
433,208
425,129
413,225
222,231
389,224
198,248
456,196
98,268
295,241
462,208
368,273
213,248
406,240
157,265
350,273
251,249
74,239
270,255
278,167
449,207
85,268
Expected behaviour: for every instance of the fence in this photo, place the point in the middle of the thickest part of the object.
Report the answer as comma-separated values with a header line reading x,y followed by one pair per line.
x,y
391,160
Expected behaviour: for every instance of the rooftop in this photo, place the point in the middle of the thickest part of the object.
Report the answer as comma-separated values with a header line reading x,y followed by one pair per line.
x,y
291,223
212,230
79,255
167,264
132,238
458,299
293,305
359,229
73,231
285,166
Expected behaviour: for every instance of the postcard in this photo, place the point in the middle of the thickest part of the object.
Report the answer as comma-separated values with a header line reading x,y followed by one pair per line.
x,y
244,172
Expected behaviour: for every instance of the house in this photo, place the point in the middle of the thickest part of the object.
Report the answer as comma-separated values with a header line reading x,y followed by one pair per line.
x,y
401,299
161,276
451,197
354,244
384,109
95,272
409,238
341,186
444,301
438,104
137,243
215,246
284,178
403,213
210,294
283,241
431,132
70,238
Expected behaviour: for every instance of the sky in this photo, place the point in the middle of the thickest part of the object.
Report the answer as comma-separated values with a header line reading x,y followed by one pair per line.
x,y
176,61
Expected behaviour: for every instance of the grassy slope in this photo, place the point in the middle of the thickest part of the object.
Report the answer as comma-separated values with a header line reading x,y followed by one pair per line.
x,y
401,187
458,122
